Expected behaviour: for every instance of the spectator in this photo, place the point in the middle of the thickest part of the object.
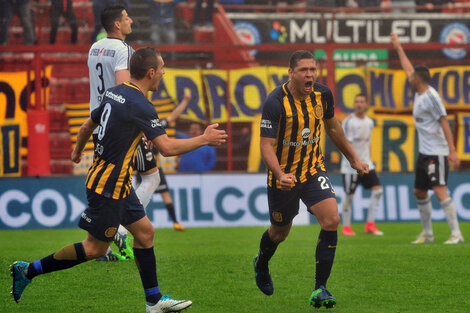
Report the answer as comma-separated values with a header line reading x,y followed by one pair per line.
x,y
162,19
331,3
402,6
23,9
98,7
430,5
368,3
198,21
199,160
64,8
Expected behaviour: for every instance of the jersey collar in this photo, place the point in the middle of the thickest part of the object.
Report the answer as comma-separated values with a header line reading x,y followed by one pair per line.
x,y
132,86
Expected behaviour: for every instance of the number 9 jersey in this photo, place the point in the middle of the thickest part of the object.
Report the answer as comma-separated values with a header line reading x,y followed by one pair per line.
x,y
124,115
105,58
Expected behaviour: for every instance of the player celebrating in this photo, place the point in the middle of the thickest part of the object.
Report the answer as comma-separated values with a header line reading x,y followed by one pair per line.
x,y
108,65
123,117
358,130
290,137
436,149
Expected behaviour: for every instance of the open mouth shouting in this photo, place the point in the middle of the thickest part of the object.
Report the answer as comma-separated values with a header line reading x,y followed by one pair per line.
x,y
308,86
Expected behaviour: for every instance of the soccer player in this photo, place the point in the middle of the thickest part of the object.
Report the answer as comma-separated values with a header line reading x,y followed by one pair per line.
x,y
358,130
125,114
290,146
108,65
436,149
143,163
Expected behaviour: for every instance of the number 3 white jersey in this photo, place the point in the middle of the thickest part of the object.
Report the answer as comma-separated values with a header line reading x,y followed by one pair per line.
x,y
358,131
427,110
106,57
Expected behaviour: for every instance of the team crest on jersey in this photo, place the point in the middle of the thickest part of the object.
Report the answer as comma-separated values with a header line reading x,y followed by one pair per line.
x,y
110,232
318,111
277,216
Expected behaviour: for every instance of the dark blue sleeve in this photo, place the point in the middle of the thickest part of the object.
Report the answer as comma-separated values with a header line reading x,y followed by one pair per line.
x,y
270,117
144,115
328,104
96,114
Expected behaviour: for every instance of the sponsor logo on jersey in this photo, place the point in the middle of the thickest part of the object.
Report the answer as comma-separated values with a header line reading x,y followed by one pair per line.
x,y
109,53
306,133
95,52
302,143
266,124
455,32
85,217
115,97
156,122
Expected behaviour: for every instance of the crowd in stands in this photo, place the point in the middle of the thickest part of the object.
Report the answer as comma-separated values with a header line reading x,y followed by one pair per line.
x,y
162,13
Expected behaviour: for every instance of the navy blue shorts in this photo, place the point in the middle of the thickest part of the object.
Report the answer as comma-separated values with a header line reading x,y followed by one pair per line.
x,y
284,205
103,215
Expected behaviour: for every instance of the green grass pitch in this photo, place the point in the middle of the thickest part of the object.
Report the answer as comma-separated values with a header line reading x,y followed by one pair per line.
x,y
213,268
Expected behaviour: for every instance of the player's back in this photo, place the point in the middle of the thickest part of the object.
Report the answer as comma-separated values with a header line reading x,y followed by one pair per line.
x,y
105,58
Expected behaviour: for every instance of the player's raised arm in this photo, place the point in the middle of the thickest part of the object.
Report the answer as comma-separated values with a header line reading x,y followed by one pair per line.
x,y
404,61
335,131
179,109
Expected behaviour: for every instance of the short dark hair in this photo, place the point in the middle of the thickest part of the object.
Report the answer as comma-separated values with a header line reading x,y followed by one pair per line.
x,y
110,15
423,73
142,60
299,55
361,95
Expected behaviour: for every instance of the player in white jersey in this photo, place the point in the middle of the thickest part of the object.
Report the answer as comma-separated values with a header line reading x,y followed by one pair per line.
x,y
108,66
436,148
108,59
358,130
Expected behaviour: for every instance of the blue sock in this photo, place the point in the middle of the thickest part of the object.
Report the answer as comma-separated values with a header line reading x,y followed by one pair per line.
x,y
146,264
51,264
267,247
325,255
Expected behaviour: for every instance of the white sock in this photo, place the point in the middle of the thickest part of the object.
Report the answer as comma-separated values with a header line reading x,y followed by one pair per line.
x,y
424,207
375,196
122,230
449,209
346,215
147,187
